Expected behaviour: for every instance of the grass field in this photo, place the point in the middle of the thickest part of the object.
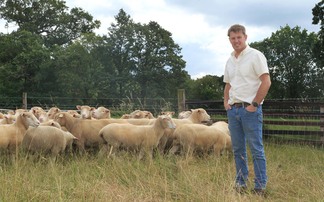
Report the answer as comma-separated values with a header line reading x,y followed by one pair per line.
x,y
296,173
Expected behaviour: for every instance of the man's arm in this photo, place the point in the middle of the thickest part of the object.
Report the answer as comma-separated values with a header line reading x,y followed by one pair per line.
x,y
263,89
226,96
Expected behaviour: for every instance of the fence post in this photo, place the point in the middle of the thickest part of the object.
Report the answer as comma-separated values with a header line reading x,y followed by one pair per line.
x,y
181,100
322,121
24,100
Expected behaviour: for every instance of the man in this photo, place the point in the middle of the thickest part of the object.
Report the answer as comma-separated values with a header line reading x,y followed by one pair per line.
x,y
247,83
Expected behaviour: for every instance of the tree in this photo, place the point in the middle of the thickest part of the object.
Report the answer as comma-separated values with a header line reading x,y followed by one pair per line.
x,y
22,56
78,70
293,69
318,50
48,19
147,62
207,88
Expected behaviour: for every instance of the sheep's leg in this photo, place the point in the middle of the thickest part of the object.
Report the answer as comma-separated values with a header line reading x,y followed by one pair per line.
x,y
174,149
217,150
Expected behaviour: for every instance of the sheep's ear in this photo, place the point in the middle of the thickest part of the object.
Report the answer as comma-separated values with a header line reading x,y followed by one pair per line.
x,y
191,110
78,107
60,115
92,108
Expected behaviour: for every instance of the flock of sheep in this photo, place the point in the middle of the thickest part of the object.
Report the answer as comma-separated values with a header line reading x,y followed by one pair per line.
x,y
55,131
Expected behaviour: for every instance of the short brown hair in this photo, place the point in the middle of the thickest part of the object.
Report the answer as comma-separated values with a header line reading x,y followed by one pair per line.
x,y
236,28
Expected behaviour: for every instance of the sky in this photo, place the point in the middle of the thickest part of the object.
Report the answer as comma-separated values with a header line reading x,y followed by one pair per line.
x,y
200,27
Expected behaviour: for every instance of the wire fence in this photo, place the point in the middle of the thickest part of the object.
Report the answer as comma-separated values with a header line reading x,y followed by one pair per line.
x,y
294,120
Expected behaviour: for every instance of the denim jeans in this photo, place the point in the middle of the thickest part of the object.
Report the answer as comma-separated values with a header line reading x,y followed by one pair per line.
x,y
245,127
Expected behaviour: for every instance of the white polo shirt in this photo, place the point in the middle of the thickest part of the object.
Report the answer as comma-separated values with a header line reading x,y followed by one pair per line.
x,y
243,74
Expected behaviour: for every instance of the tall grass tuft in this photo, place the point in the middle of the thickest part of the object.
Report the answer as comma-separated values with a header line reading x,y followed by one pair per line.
x,y
295,174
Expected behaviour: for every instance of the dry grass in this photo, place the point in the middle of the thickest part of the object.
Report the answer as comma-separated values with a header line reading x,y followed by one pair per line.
x,y
295,174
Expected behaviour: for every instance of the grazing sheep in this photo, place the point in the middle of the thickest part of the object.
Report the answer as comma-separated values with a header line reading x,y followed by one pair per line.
x,y
142,138
199,137
47,139
11,135
101,113
85,111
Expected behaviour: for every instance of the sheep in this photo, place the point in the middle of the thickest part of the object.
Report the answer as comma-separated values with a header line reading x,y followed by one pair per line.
x,y
74,113
169,113
85,111
7,119
42,116
86,130
184,114
36,111
52,111
125,116
51,123
197,116
101,113
1,115
222,125
47,139
142,138
138,114
199,137
11,135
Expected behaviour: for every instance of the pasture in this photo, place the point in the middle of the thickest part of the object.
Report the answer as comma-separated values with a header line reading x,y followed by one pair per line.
x,y
295,174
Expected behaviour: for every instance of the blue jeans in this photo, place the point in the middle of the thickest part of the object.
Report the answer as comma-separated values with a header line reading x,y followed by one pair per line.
x,y
245,127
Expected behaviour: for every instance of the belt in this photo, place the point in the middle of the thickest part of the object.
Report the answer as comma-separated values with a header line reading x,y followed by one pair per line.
x,y
241,104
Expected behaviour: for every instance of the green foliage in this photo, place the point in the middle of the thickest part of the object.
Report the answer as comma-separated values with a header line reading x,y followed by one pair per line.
x,y
48,19
318,49
293,68
207,88
22,56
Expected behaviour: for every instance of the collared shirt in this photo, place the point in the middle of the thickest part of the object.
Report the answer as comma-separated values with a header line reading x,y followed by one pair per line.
x,y
243,74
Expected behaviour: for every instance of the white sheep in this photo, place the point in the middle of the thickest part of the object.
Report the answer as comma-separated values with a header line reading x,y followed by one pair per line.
x,y
142,138
184,114
86,130
201,138
36,111
85,111
7,119
197,116
74,113
223,126
52,111
101,113
11,135
51,123
138,114
47,139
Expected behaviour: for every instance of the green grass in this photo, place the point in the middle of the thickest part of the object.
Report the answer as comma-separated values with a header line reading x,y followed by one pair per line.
x,y
295,174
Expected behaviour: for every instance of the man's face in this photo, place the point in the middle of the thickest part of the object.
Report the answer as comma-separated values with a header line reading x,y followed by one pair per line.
x,y
238,41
